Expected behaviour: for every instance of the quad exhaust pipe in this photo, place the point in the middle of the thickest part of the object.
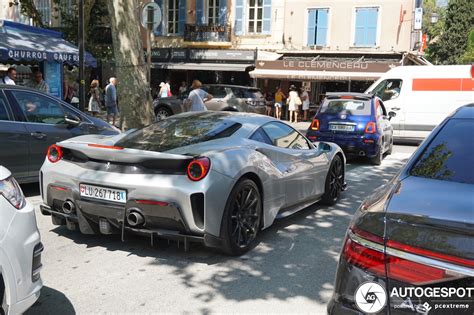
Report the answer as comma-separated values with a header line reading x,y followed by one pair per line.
x,y
69,207
135,218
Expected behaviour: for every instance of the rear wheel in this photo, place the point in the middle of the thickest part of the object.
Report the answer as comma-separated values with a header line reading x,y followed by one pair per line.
x,y
377,159
162,112
241,220
334,182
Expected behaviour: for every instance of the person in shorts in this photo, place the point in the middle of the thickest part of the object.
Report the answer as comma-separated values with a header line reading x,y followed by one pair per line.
x,y
279,98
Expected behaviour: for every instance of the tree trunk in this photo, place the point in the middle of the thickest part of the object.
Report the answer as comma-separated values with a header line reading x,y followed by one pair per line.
x,y
133,89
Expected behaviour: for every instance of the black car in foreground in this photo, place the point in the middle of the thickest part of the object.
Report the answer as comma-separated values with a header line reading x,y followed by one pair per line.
x,y
410,246
30,121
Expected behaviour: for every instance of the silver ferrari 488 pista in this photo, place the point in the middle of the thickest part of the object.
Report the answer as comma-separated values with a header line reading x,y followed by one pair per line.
x,y
213,177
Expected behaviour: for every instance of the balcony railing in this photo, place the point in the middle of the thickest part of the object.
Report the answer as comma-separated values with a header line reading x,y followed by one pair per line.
x,y
206,33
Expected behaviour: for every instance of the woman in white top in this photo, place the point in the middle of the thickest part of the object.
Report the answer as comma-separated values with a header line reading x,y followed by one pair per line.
x,y
293,102
305,100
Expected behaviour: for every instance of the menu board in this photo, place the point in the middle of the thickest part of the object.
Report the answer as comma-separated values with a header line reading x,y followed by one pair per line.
x,y
53,76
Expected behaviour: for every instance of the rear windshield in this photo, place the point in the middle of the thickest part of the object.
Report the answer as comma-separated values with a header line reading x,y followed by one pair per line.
x,y
180,131
450,156
348,107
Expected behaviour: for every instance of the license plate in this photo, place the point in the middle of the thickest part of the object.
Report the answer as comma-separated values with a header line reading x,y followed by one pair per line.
x,y
341,128
103,193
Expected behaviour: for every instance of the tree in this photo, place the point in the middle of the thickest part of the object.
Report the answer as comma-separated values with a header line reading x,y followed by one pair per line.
x,y
28,8
453,41
432,30
133,90
468,57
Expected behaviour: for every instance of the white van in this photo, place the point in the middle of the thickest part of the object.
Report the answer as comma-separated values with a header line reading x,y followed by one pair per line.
x,y
422,96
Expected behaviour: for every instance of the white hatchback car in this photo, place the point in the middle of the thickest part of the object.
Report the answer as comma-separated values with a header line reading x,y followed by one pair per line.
x,y
20,248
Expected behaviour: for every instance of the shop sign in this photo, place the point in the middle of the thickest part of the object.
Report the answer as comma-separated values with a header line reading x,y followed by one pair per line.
x,y
222,54
326,65
39,56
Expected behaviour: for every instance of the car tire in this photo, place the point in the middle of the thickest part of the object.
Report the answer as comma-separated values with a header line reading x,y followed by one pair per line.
x,y
162,112
241,219
334,182
390,148
377,159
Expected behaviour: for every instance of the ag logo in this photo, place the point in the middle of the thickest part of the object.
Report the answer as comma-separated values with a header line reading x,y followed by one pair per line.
x,y
370,297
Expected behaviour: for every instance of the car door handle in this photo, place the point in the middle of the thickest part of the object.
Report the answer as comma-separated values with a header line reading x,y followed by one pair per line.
x,y
38,135
395,108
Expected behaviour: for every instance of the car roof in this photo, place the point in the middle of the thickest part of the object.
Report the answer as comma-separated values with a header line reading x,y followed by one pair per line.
x,y
18,87
234,86
466,111
336,95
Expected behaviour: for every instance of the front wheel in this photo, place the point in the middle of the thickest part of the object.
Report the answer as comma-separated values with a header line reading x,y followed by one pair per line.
x,y
334,182
162,112
242,216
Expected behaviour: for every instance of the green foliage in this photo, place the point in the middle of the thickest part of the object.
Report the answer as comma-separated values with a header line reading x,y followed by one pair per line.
x,y
451,47
433,163
28,8
468,56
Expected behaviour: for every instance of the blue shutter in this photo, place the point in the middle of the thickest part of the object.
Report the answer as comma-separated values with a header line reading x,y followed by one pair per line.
x,y
360,26
322,27
159,30
267,16
372,16
182,16
200,16
222,12
239,17
311,26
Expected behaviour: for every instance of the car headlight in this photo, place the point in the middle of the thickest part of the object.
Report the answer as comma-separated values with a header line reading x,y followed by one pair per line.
x,y
10,189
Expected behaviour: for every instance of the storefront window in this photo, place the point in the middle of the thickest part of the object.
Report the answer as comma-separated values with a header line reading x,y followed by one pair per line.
x,y
255,16
173,17
44,8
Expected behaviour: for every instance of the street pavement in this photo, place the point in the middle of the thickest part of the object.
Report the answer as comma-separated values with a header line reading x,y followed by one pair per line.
x,y
291,270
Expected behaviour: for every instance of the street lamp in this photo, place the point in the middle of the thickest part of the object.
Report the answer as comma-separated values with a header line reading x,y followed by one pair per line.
x,y
434,18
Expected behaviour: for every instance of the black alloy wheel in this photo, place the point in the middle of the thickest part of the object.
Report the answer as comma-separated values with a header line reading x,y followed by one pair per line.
x,y
162,113
241,221
334,182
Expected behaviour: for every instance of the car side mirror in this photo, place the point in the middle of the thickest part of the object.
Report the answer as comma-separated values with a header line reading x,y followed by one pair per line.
x,y
324,147
72,120
391,115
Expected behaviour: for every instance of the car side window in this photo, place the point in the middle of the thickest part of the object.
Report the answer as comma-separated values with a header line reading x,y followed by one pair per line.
x,y
3,109
261,136
284,136
38,108
388,89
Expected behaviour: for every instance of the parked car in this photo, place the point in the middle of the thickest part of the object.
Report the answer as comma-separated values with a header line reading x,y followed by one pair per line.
x,y
30,121
357,122
212,177
20,248
226,98
416,231
422,96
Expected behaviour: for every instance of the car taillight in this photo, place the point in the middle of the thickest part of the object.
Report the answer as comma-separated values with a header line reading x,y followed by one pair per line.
x,y
198,168
10,189
315,124
371,127
54,154
366,251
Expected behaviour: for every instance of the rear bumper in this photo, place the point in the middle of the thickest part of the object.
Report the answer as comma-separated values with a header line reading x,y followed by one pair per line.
x,y
352,145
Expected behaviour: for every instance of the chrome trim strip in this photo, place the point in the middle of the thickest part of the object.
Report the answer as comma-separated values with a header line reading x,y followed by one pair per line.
x,y
452,269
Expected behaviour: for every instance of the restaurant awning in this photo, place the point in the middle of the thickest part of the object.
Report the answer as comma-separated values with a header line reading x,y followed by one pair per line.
x,y
313,75
203,66
22,42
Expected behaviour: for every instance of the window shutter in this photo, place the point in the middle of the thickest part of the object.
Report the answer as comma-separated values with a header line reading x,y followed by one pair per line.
x,y
372,17
159,30
322,27
239,17
182,16
222,12
200,17
360,26
267,16
311,27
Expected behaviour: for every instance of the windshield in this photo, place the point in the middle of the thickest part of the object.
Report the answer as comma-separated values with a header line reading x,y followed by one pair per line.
x,y
348,107
180,131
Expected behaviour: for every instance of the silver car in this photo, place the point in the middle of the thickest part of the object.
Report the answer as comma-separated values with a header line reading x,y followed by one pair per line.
x,y
212,177
20,249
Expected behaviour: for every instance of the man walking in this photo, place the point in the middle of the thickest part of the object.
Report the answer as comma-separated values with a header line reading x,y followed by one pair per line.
x,y
111,100
10,77
197,98
38,83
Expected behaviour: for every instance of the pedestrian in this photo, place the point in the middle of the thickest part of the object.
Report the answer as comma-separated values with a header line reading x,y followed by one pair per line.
x,y
168,86
305,99
279,97
269,102
111,100
183,88
10,77
164,90
197,97
94,100
38,83
293,102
